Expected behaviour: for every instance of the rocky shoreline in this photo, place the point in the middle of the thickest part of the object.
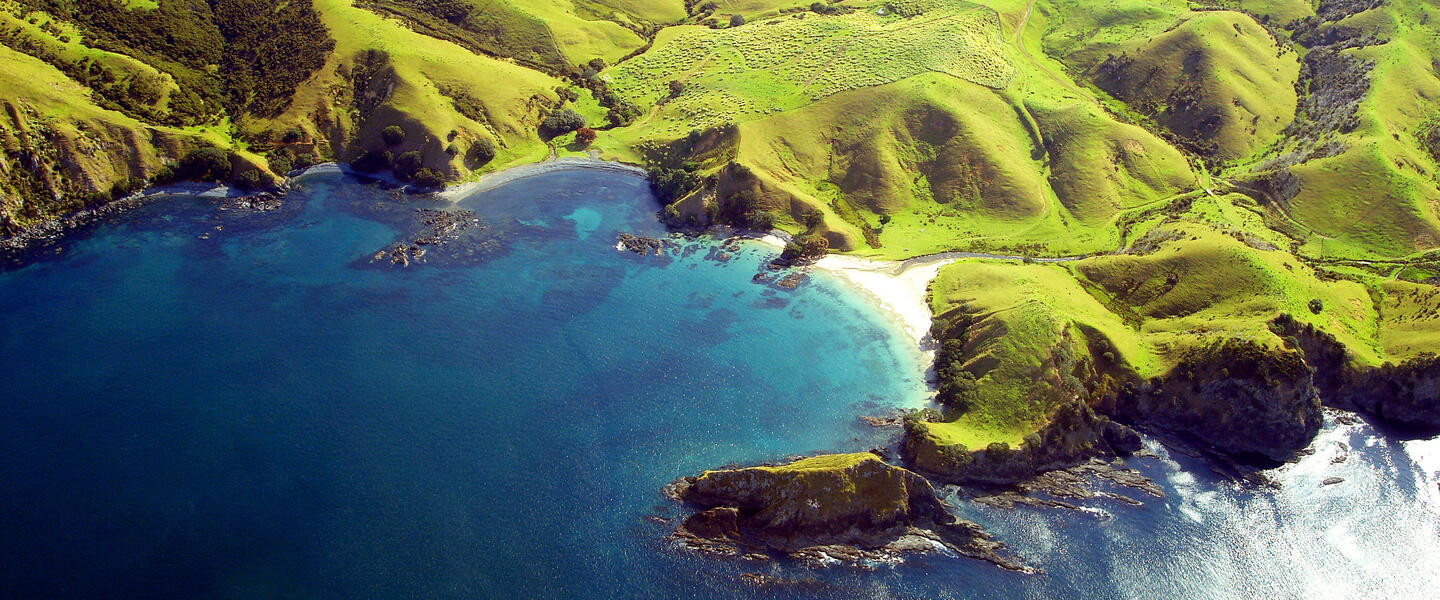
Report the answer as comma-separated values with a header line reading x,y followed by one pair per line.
x,y
826,510
31,242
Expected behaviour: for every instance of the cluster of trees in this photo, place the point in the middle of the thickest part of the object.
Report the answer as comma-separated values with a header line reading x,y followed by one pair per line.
x,y
956,385
490,27
806,247
671,184
263,51
407,166
620,113
822,8
561,122
454,11
1430,136
743,209
285,160
136,93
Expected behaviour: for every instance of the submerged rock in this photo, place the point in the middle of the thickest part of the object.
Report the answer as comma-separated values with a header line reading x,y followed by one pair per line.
x,y
443,238
825,509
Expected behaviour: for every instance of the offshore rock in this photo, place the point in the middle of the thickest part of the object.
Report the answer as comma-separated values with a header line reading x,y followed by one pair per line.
x,y
840,508
640,245
441,238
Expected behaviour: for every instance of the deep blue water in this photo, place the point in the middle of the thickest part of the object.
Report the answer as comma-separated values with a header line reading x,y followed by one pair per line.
x,y
204,404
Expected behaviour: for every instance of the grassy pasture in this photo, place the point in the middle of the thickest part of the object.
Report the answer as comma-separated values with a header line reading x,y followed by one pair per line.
x,y
765,67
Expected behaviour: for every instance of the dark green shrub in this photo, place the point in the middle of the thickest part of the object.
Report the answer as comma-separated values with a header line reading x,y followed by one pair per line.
x,y
372,161
561,122
304,161
452,150
408,165
281,161
393,135
805,247
1316,306
428,178
814,219
481,152
248,180
736,20
124,187
205,164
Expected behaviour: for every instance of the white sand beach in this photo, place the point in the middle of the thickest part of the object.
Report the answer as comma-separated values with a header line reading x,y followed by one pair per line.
x,y
901,289
490,181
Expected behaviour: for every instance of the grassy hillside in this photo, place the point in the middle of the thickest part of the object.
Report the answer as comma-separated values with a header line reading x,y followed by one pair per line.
x,y
891,127
1207,270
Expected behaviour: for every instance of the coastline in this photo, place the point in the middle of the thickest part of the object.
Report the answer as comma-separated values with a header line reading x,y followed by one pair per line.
x,y
490,181
901,289
48,232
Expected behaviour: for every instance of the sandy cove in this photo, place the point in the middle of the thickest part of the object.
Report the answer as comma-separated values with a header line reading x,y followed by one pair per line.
x,y
491,181
902,289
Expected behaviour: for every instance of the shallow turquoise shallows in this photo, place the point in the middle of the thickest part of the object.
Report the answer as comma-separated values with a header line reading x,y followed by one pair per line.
x,y
207,403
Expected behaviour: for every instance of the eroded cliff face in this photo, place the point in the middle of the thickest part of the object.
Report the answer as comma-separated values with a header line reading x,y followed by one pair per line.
x,y
841,506
1074,434
1405,394
1237,396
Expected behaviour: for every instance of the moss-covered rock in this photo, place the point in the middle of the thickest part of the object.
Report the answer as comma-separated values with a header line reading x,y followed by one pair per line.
x,y
839,506
1073,434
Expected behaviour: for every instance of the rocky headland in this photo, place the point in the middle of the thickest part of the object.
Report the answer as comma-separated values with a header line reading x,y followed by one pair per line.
x,y
825,509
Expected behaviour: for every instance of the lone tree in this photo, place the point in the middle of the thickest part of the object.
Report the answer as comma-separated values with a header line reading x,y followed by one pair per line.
x,y
393,135
736,20
561,122
481,152
585,135
676,88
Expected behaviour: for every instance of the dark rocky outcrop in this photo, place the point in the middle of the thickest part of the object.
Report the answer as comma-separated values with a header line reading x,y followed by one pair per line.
x,y
1122,439
640,245
1405,394
1073,434
1237,396
1053,489
844,507
441,238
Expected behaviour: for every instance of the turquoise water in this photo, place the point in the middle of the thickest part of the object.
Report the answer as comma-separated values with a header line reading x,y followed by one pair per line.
x,y
205,404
